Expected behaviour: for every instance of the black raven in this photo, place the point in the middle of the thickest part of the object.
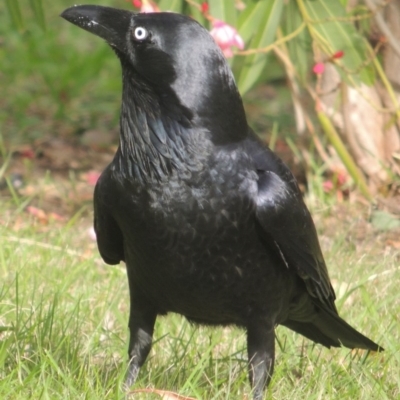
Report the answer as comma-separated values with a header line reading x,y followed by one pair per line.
x,y
209,221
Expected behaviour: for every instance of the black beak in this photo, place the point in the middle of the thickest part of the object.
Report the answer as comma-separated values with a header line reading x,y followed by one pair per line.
x,y
111,24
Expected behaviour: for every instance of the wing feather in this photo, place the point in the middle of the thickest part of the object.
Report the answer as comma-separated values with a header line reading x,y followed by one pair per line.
x,y
108,234
284,217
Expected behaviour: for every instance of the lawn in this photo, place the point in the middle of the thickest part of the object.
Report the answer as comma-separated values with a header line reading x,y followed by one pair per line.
x,y
63,317
64,313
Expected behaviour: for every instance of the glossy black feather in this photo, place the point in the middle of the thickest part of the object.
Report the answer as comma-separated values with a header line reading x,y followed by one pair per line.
x,y
210,222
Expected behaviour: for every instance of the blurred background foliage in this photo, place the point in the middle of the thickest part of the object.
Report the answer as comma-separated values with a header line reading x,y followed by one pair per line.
x,y
321,75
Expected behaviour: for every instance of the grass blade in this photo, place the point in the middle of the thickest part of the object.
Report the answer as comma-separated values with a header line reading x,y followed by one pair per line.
x,y
37,8
15,14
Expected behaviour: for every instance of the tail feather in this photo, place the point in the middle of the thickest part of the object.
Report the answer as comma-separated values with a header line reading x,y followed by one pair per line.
x,y
327,328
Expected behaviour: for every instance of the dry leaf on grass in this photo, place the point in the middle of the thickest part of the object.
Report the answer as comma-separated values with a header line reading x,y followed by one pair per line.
x,y
393,243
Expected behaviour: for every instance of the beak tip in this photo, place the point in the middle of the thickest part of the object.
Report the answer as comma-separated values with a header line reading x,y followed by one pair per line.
x,y
71,14
81,13
64,14
108,23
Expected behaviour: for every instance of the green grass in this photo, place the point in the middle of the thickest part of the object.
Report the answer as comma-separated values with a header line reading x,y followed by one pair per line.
x,y
50,78
63,317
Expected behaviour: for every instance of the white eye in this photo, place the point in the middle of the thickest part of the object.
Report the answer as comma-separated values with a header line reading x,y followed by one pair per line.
x,y
140,33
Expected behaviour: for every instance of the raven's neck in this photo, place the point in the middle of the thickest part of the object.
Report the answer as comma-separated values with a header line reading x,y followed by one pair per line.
x,y
156,136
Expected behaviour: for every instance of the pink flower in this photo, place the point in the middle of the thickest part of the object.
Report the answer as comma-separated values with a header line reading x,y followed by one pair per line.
x,y
92,233
137,3
327,186
226,36
149,6
205,7
146,6
92,177
338,54
319,68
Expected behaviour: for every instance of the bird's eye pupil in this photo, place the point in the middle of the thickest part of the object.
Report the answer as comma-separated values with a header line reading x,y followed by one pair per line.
x,y
140,33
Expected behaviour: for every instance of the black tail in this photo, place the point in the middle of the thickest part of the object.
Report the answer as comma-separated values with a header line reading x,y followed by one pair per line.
x,y
327,328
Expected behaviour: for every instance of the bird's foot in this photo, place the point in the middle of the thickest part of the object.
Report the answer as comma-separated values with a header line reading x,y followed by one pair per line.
x,y
131,375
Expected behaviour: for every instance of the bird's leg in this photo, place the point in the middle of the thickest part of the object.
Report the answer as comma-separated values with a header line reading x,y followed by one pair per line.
x,y
141,326
261,352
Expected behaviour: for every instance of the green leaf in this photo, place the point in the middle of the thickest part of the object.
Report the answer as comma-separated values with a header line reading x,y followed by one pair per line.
x,y
250,19
255,63
195,13
224,10
171,5
384,221
335,33
37,8
300,47
15,14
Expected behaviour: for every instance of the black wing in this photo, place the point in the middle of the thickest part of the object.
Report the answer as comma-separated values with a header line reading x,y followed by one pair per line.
x,y
285,219
109,237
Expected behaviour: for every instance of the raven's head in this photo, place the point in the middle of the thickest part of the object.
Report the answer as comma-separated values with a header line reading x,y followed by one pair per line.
x,y
174,54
